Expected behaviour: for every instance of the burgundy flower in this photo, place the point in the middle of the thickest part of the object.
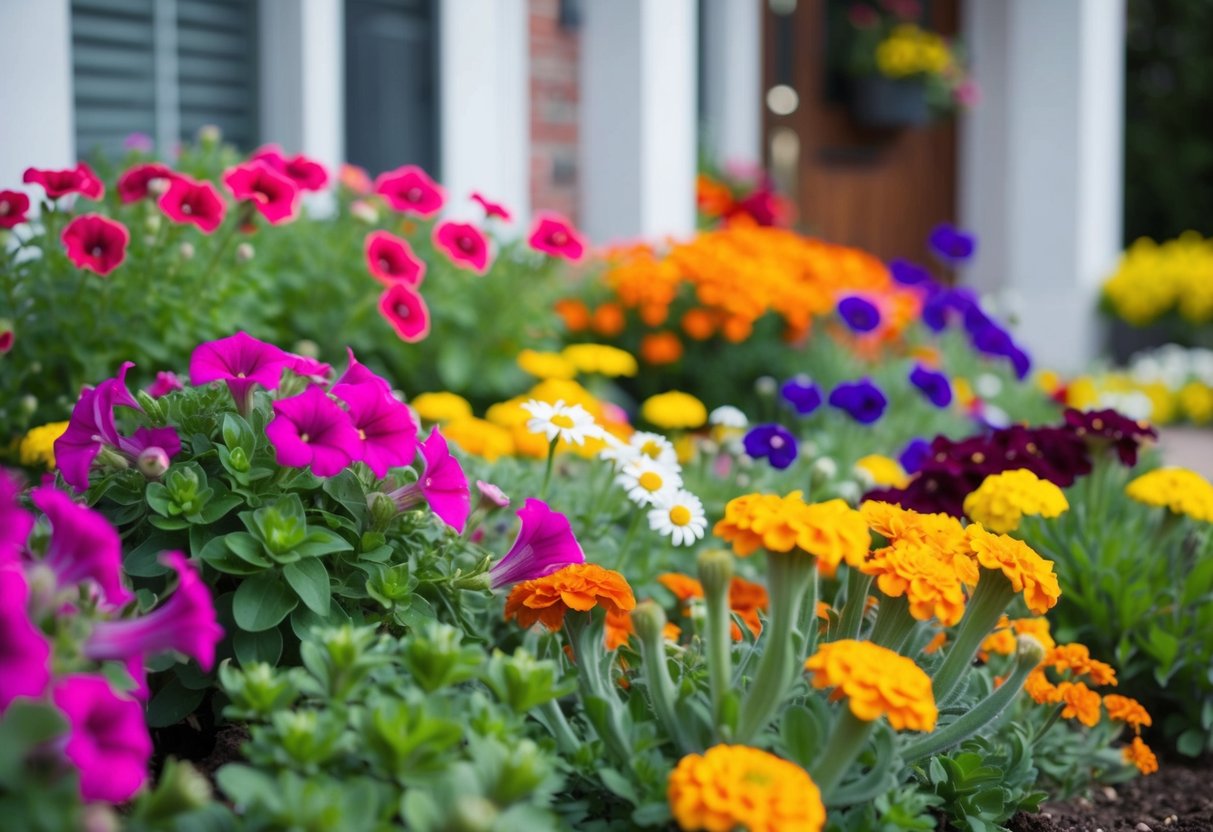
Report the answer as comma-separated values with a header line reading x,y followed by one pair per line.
x,y
134,182
190,201
385,426
491,209
24,651
443,485
107,739
311,429
83,547
406,311
307,174
96,243
410,190
166,382
78,180
273,194
1103,428
464,244
545,543
6,340
241,361
554,235
14,206
390,259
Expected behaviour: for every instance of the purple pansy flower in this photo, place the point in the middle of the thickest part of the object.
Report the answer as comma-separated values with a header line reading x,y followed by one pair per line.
x,y
914,455
951,245
545,543
933,384
24,652
773,441
385,426
241,361
908,274
859,313
802,394
107,738
861,400
312,429
83,546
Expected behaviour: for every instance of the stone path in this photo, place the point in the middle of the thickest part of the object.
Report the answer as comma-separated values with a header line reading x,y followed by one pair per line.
x,y
1188,447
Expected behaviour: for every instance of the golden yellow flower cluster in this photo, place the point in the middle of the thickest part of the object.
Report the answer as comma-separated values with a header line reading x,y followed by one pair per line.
x,y
1003,499
832,531
884,471
674,410
940,533
930,585
1178,489
877,682
910,50
38,446
441,406
545,364
736,787
1153,279
1027,571
600,359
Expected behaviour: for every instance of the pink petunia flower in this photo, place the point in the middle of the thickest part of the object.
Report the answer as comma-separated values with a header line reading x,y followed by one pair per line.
x,y
464,244
390,259
312,369
15,522
491,209
410,190
240,361
273,194
442,485
190,201
311,429
7,337
306,173
359,373
134,183
545,543
83,548
556,236
385,426
491,496
166,382
96,243
57,183
24,651
107,738
14,208
406,311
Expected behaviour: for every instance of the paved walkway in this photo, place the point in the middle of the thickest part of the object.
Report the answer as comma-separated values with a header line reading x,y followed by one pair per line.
x,y
1189,448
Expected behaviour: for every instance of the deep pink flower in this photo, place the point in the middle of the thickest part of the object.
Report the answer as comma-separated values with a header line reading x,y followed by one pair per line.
x,y
385,426
139,142
96,243
241,361
556,236
24,651
410,189
491,209
274,194
390,259
307,174
464,244
6,340
312,369
406,311
78,180
107,739
443,485
166,382
15,522
359,373
491,496
84,547
14,206
134,182
190,201
544,544
312,429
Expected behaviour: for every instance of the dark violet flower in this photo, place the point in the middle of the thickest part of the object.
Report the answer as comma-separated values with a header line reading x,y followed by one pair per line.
x,y
241,361
933,384
801,394
78,180
166,382
775,442
410,190
1021,362
83,546
545,543
95,243
1104,428
196,203
14,207
914,455
390,259
312,429
464,244
443,485
107,738
909,274
491,209
24,652
555,236
951,245
275,195
406,311
860,314
385,426
15,522
134,183
862,400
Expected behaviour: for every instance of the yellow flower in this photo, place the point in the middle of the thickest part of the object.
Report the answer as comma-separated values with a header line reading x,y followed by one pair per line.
x,y
1196,401
480,437
883,470
38,446
674,410
601,359
1178,489
1152,279
737,787
1002,500
545,364
1027,571
441,407
930,585
832,531
1140,755
1127,710
877,682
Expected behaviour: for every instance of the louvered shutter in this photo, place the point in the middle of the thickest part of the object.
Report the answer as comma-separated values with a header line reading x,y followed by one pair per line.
x,y
217,68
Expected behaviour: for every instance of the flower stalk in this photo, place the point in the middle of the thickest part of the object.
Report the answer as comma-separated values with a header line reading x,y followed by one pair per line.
x,y
848,738
893,623
856,604
715,575
650,621
989,600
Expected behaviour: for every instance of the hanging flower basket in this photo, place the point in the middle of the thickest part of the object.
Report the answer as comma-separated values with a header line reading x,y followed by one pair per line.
x,y
877,101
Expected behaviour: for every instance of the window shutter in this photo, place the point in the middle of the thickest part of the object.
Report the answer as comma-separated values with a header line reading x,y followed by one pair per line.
x,y
217,68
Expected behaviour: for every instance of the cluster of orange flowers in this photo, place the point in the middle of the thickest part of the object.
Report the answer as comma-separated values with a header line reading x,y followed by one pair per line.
x,y
1027,571
832,531
579,586
877,682
746,598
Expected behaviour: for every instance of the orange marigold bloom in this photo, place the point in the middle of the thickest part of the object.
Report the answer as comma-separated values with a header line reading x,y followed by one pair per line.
x,y
1037,628
684,587
942,533
755,520
574,313
608,319
746,598
1027,571
1038,686
929,584
579,586
877,682
1128,710
936,643
1002,640
619,628
832,531
699,324
1081,703
654,314
737,787
659,348
1076,659
1140,755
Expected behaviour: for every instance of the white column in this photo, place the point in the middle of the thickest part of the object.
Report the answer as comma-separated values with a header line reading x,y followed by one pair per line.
x,y
485,103
733,81
1041,174
37,128
638,119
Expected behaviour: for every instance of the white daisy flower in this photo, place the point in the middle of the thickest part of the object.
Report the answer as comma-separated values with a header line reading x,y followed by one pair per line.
x,y
647,481
679,517
727,416
641,445
572,423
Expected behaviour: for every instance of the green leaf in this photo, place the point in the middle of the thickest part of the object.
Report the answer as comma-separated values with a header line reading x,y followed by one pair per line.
x,y
143,560
801,734
310,580
263,601
172,703
246,786
322,542
246,547
1191,743
238,434
23,726
619,785
265,646
217,554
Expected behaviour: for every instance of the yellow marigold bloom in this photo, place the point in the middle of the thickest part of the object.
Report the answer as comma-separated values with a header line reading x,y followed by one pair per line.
x,y
736,787
480,437
1152,279
441,407
1140,755
601,359
1002,500
1127,710
554,390
1038,686
936,643
545,364
1080,702
509,414
942,533
38,446
930,585
1196,400
1076,660
1027,571
832,531
1001,642
1178,489
674,410
883,470
877,682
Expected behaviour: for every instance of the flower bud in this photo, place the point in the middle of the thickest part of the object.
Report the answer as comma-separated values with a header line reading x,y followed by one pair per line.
x,y
29,403
383,509
649,620
186,250
863,477
364,211
307,348
473,813
715,570
491,497
6,338
765,386
153,462
849,491
1029,649
245,252
151,224
209,135
823,470
151,407
180,789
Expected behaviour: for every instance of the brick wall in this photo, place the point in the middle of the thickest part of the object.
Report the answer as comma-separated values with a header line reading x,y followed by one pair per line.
x,y
555,95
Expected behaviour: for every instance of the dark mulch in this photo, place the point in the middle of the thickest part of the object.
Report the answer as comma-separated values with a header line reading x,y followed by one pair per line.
x,y
1177,798
228,739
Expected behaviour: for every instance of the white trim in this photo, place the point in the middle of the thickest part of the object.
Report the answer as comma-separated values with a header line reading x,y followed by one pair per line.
x,y
732,81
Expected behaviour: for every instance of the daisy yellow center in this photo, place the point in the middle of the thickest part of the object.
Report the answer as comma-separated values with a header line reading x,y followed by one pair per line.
x,y
650,481
651,449
562,420
680,515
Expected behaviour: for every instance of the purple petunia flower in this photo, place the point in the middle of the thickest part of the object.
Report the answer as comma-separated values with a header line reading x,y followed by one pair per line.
x,y
951,245
312,369
544,544
241,361
24,651
107,738
443,485
802,394
860,314
311,429
775,442
908,274
861,400
385,425
358,373
83,546
914,455
15,522
934,385
166,382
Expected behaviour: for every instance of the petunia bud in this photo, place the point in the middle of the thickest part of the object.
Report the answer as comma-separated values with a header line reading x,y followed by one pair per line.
x,y
151,224
245,252
383,509
153,462
186,251
209,135
151,407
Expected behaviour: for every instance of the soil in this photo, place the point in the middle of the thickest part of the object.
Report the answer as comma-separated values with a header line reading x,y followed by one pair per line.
x,y
1178,798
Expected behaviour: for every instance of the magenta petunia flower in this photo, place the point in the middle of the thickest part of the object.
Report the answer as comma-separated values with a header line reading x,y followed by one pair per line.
x,y
274,194
359,373
410,190
491,496
544,544
406,311
312,429
24,651
556,236
107,738
491,209
443,485
197,203
78,180
133,184
312,369
15,522
306,173
14,208
241,361
6,340
96,243
464,244
385,426
390,259
166,382
84,547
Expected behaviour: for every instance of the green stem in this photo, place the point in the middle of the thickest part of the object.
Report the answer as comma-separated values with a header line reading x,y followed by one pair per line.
x,y
547,472
625,548
593,682
650,623
989,600
893,623
856,603
1048,723
848,738
566,740
715,574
